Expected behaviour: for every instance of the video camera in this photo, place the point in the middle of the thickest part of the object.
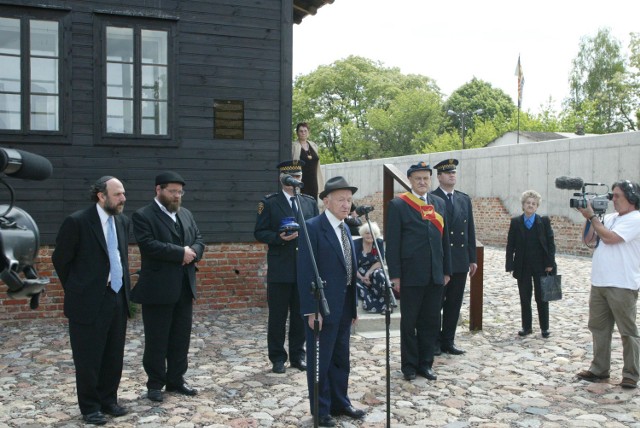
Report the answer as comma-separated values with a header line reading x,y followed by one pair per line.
x,y
19,234
599,203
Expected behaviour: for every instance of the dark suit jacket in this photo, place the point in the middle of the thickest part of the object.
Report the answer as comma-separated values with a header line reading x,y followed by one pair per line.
x,y
462,231
516,244
414,244
330,259
281,257
161,253
81,260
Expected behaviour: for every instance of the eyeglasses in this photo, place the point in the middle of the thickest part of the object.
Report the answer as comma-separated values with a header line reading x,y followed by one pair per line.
x,y
175,192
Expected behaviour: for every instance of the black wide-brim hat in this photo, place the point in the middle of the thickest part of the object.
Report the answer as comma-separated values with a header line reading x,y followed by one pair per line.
x,y
336,183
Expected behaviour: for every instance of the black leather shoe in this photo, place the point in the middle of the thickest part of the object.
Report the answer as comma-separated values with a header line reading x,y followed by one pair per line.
x,y
524,332
155,395
300,365
326,421
428,373
350,411
183,389
546,333
437,352
409,376
95,418
278,367
451,349
114,410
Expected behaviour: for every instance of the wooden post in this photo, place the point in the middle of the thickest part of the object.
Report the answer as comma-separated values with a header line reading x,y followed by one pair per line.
x,y
476,293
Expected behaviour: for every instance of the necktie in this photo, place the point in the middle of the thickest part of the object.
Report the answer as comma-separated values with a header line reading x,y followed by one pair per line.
x,y
346,248
422,199
294,207
449,202
114,259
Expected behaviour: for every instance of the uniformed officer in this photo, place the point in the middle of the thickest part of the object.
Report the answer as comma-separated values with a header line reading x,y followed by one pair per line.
x,y
278,214
462,239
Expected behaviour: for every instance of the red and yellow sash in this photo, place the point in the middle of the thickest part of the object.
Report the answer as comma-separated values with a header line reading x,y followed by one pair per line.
x,y
427,212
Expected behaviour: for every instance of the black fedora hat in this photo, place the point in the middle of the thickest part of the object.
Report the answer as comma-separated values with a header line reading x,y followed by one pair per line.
x,y
336,183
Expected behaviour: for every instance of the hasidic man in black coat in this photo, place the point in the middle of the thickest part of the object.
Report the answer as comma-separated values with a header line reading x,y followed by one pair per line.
x,y
419,262
462,241
282,289
91,260
170,246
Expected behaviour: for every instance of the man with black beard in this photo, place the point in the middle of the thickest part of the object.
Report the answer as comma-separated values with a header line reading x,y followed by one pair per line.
x,y
170,246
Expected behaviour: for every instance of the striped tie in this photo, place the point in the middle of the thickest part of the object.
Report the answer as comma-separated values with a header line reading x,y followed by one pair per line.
x,y
346,248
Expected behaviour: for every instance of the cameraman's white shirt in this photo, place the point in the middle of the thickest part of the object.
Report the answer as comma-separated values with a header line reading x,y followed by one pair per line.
x,y
618,265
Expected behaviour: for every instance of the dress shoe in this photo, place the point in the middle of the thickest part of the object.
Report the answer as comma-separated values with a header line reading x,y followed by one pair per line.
x,y
155,395
183,389
350,411
428,373
524,332
326,421
114,410
278,367
300,365
546,333
409,375
628,383
451,349
589,376
437,352
95,418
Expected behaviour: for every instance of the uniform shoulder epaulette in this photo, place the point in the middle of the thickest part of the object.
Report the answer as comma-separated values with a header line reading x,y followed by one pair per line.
x,y
307,196
271,195
462,193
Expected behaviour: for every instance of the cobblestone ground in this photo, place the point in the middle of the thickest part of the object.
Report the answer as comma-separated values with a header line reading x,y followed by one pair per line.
x,y
502,381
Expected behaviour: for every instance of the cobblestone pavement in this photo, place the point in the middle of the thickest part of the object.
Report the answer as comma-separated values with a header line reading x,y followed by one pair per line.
x,y
502,381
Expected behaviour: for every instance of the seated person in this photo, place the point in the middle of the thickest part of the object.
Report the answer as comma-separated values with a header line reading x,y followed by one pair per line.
x,y
370,276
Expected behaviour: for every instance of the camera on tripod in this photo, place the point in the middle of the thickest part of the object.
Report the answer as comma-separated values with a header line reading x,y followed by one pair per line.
x,y
599,202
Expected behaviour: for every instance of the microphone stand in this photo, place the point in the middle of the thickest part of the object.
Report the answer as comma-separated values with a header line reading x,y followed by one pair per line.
x,y
389,301
317,288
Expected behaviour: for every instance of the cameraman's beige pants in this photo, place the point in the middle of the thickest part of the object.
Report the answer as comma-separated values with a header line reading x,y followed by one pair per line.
x,y
609,305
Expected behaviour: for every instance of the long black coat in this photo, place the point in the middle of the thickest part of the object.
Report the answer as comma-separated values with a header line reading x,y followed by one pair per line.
x,y
516,244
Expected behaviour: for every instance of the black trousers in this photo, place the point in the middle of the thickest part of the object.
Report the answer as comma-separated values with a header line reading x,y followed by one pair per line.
x,y
98,352
167,334
419,326
451,303
284,303
530,284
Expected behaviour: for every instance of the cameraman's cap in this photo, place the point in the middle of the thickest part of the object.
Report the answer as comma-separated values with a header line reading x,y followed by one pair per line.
x,y
169,177
420,166
446,165
336,183
292,167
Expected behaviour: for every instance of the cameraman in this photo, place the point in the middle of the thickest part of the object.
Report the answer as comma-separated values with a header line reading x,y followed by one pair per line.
x,y
615,279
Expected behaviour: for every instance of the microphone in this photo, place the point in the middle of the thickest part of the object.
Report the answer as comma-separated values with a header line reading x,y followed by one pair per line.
x,y
570,183
25,165
288,180
364,209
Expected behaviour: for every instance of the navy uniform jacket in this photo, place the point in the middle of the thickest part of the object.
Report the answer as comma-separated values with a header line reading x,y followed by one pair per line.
x,y
462,231
281,256
414,244
516,244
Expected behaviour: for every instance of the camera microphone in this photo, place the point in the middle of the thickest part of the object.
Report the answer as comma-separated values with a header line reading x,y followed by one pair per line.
x,y
25,165
364,209
570,183
288,180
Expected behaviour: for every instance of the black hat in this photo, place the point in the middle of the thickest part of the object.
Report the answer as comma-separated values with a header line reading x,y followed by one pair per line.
x,y
169,177
420,166
291,166
336,183
446,165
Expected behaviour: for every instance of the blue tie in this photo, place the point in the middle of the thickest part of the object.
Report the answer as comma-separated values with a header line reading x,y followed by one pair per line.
x,y
114,259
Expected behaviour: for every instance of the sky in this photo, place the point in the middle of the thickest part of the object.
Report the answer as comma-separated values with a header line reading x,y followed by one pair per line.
x,y
455,41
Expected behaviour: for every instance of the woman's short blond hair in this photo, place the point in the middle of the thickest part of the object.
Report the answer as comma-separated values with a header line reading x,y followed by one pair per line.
x,y
374,227
531,194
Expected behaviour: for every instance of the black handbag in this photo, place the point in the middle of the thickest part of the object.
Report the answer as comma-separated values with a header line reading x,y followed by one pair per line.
x,y
551,286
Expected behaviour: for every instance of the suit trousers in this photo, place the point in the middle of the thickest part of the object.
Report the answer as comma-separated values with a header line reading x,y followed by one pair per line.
x,y
451,303
98,352
609,305
530,284
283,301
419,326
167,334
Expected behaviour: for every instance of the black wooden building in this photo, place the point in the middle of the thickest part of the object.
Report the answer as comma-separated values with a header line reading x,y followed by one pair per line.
x,y
133,87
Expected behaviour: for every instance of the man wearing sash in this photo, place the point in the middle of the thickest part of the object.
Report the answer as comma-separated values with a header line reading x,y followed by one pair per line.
x,y
418,258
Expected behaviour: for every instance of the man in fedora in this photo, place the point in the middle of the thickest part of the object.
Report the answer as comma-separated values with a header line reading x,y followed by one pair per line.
x,y
332,245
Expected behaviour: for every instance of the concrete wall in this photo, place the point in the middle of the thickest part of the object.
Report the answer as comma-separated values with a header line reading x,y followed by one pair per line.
x,y
506,172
